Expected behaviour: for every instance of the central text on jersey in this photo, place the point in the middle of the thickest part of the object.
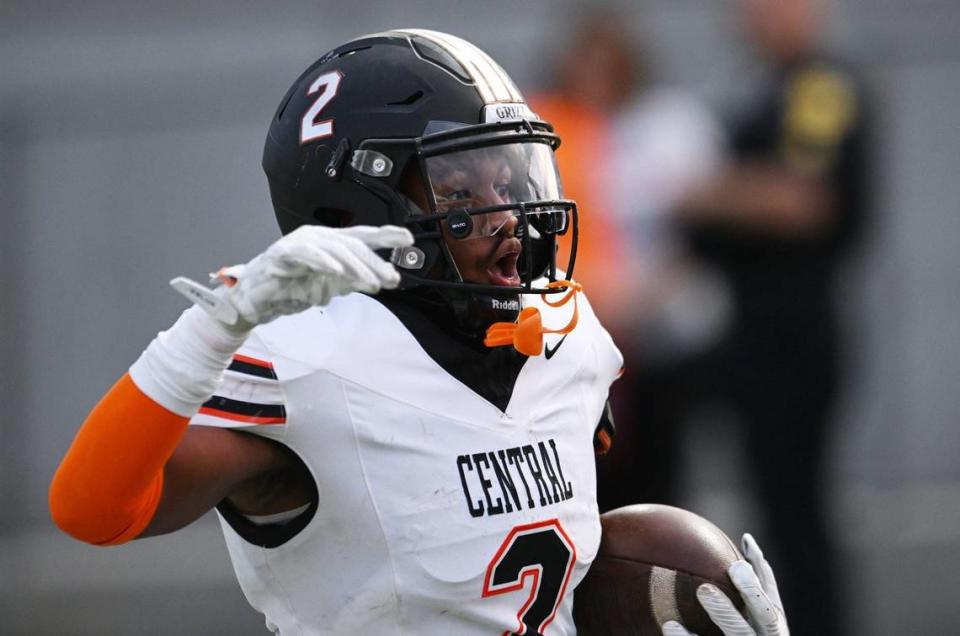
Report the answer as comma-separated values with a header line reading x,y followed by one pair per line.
x,y
505,477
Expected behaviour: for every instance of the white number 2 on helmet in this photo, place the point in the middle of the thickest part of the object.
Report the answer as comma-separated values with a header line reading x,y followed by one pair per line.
x,y
310,128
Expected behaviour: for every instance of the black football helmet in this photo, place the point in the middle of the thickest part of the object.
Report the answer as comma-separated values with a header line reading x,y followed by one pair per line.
x,y
413,106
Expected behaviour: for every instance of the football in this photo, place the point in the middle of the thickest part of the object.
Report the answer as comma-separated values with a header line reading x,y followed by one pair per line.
x,y
650,562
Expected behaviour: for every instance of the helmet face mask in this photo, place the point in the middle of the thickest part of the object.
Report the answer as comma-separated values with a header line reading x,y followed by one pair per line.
x,y
487,185
421,129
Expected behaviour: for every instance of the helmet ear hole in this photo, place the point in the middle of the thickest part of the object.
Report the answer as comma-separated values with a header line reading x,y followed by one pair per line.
x,y
332,217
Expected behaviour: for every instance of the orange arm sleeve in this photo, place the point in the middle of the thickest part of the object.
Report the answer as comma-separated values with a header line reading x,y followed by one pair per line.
x,y
108,485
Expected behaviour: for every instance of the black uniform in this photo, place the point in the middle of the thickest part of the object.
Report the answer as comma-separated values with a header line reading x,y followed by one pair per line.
x,y
780,365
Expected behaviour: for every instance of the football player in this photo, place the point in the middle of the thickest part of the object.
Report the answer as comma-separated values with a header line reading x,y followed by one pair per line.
x,y
394,407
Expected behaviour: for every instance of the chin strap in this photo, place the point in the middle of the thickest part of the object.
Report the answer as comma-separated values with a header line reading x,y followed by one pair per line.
x,y
526,334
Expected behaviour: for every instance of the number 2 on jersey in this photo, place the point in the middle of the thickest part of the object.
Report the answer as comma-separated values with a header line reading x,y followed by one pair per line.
x,y
543,553
311,129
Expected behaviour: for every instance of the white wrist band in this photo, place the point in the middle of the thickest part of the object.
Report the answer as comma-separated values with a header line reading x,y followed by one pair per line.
x,y
184,365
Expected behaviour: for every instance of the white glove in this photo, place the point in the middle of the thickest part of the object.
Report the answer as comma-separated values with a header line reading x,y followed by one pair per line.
x,y
754,580
307,267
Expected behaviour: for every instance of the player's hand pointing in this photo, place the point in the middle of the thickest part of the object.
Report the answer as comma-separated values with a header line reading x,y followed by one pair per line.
x,y
307,267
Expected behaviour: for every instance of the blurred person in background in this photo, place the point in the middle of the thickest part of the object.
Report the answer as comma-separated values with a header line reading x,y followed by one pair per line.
x,y
778,222
591,80
633,149
715,273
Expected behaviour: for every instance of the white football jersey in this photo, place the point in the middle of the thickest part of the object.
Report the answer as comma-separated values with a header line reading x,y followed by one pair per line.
x,y
438,513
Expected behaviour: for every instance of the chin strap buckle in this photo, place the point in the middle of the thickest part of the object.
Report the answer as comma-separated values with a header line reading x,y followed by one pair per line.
x,y
526,334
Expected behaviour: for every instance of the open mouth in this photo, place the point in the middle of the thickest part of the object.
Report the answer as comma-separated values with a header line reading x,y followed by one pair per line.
x,y
503,271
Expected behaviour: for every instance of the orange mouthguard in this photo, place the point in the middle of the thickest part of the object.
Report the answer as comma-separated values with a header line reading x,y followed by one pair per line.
x,y
526,334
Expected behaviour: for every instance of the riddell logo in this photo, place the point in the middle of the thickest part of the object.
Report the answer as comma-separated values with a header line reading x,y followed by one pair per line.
x,y
512,305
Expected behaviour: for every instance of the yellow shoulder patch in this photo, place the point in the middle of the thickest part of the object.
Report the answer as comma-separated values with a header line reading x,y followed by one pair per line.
x,y
820,107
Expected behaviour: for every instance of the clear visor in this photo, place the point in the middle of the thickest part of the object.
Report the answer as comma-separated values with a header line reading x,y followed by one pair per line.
x,y
480,190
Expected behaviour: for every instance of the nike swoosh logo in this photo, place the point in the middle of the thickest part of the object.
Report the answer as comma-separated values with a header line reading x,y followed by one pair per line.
x,y
548,352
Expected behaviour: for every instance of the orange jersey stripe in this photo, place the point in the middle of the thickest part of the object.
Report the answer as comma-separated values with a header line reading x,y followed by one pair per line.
x,y
254,361
227,415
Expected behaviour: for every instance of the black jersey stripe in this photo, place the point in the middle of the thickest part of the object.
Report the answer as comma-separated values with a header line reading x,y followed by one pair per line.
x,y
250,368
249,409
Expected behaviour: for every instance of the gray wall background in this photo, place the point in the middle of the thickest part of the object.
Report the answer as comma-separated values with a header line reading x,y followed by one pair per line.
x,y
130,139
